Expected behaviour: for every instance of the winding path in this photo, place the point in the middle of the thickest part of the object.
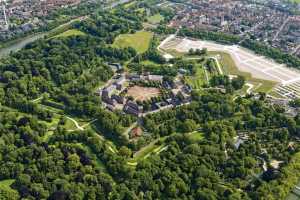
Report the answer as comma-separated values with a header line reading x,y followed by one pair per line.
x,y
76,123
251,86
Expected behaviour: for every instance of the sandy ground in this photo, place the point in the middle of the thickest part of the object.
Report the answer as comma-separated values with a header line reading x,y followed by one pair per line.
x,y
247,61
143,93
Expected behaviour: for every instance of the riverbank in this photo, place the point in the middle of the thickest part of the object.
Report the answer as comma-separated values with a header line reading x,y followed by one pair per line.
x,y
19,43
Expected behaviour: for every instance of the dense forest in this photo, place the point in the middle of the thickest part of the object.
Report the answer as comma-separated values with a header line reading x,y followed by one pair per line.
x,y
212,168
86,164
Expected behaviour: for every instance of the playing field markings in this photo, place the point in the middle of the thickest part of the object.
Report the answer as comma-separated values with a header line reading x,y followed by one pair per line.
x,y
282,73
275,67
264,72
251,59
288,71
236,55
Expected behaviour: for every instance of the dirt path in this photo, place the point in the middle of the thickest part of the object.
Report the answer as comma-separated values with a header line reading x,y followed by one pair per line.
x,y
218,65
85,125
35,100
251,86
76,123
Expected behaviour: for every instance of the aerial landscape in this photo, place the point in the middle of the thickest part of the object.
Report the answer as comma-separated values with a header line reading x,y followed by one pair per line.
x,y
150,99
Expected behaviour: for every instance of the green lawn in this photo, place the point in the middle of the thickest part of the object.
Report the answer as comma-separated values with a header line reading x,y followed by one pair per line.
x,y
155,19
195,136
47,136
69,125
140,41
198,80
140,10
5,185
71,32
130,4
149,62
141,154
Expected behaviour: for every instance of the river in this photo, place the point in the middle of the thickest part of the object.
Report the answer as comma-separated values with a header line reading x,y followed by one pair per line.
x,y
22,42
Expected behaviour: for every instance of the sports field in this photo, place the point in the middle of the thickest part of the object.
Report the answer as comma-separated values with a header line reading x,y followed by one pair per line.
x,y
140,41
143,93
259,67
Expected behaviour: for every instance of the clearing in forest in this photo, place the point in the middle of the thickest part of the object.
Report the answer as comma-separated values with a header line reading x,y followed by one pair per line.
x,y
71,32
140,41
5,185
155,19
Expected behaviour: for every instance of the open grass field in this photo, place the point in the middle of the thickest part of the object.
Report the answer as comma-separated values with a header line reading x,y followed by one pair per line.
x,y
143,93
141,154
5,185
71,32
140,10
195,136
155,19
149,62
145,152
140,41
